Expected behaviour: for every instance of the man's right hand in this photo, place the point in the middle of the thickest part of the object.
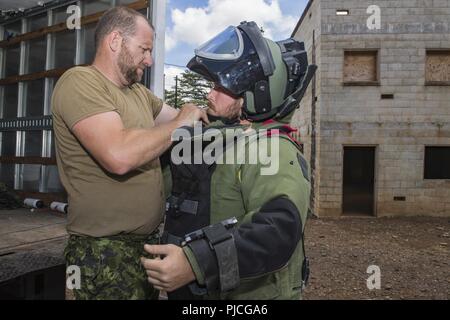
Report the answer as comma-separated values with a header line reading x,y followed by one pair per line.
x,y
170,273
189,114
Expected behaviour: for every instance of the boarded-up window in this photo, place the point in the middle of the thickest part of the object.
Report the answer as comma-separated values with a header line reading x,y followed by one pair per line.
x,y
360,67
438,67
437,161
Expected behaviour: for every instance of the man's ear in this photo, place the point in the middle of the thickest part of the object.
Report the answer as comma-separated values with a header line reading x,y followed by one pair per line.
x,y
115,41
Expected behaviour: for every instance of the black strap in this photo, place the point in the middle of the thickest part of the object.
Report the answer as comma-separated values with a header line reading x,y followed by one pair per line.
x,y
222,242
263,101
182,204
168,238
294,99
228,266
207,263
305,265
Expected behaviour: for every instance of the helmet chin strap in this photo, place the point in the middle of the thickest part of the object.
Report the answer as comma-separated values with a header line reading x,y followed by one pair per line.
x,y
292,102
231,121
226,121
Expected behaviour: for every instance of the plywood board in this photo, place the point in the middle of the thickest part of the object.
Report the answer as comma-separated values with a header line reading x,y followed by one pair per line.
x,y
360,66
438,66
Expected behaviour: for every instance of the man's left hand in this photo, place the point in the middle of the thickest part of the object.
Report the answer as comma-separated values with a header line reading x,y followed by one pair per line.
x,y
172,271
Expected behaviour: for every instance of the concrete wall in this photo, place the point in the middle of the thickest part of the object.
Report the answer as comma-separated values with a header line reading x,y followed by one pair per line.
x,y
418,116
302,118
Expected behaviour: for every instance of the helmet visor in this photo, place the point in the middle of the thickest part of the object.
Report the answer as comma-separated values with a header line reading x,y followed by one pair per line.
x,y
227,45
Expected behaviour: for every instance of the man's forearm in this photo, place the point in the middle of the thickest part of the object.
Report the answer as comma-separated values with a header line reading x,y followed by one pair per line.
x,y
120,150
140,146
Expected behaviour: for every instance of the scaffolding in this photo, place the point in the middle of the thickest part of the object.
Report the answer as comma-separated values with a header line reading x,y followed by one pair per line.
x,y
37,46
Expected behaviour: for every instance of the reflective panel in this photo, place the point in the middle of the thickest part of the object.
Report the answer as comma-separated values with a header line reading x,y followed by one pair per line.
x,y
37,22
37,53
12,60
94,6
60,15
51,87
33,143
35,98
8,143
10,101
65,43
89,47
7,174
53,147
52,182
13,29
31,174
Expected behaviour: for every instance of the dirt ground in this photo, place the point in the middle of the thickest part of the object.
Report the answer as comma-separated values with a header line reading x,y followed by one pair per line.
x,y
413,255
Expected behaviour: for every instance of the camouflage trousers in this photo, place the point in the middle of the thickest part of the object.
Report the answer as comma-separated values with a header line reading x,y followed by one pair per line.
x,y
110,267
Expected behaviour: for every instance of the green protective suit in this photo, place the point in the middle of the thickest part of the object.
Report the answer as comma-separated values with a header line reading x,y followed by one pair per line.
x,y
268,241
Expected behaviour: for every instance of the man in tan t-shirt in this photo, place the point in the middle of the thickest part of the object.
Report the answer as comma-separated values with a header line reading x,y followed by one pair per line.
x,y
110,131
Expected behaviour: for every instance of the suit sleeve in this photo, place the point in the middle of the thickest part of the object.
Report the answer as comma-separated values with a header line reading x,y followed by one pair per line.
x,y
276,205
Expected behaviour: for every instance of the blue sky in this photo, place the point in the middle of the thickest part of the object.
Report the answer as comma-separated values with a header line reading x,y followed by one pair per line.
x,y
191,22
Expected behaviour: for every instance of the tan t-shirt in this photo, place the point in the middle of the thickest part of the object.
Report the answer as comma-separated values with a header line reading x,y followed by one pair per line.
x,y
101,203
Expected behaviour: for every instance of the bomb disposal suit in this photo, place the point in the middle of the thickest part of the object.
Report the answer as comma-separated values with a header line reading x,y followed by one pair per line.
x,y
238,205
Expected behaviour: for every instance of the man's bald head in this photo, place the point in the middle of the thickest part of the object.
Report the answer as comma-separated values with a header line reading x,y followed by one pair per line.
x,y
121,19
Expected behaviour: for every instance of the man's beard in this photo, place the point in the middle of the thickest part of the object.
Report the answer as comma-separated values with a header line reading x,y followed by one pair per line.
x,y
232,112
235,109
127,67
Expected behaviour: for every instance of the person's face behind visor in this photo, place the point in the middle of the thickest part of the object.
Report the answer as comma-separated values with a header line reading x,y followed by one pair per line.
x,y
222,104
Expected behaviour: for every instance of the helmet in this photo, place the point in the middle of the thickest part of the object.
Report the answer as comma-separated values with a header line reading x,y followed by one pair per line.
x,y
272,77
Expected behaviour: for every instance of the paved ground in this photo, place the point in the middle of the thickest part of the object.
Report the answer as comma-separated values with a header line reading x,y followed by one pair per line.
x,y
413,255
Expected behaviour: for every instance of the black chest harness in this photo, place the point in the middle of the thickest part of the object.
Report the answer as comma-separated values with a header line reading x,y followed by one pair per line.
x,y
188,218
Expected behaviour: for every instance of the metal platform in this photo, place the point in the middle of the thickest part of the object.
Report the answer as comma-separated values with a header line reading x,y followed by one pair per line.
x,y
31,254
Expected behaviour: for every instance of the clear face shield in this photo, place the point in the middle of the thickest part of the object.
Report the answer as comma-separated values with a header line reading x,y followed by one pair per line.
x,y
227,45
236,59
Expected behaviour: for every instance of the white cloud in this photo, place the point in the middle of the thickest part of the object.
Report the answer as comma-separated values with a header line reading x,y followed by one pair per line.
x,y
169,43
197,25
169,76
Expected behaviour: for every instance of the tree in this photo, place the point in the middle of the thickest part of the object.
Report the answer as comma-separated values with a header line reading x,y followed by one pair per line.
x,y
171,100
191,88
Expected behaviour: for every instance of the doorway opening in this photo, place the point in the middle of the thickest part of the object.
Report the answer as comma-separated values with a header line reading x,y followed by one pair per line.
x,y
359,181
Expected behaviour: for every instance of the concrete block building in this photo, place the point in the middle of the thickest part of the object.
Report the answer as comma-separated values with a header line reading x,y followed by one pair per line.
x,y
375,122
